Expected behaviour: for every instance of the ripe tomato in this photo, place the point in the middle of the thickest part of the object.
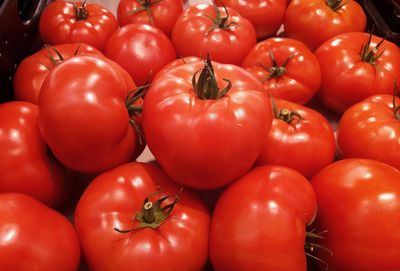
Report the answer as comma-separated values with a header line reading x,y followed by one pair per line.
x,y
355,66
35,237
286,67
221,32
265,15
371,129
83,115
259,222
25,164
177,62
315,21
159,13
32,71
142,50
359,205
72,22
300,138
118,231
206,130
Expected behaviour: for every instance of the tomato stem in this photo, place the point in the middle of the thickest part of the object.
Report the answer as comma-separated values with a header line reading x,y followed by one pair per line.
x,y
220,22
335,5
276,70
81,13
145,5
396,108
310,246
371,55
284,114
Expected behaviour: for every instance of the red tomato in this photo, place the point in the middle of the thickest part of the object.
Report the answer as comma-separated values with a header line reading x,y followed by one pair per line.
x,y
286,67
259,222
159,13
315,21
353,67
118,231
223,33
207,132
265,15
359,205
177,62
300,138
83,115
32,71
142,50
71,22
35,237
371,129
25,164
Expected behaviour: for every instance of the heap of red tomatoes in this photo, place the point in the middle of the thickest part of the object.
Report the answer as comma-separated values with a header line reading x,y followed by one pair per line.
x,y
173,135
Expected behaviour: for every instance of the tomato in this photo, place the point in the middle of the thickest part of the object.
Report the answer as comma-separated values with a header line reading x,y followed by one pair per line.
x,y
32,71
142,50
315,21
286,67
259,222
72,22
221,32
207,132
25,164
83,115
355,66
177,62
300,138
121,226
159,13
371,129
35,237
265,15
359,205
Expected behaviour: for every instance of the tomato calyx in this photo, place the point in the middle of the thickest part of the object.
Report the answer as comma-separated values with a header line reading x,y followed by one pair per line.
x,y
276,70
206,86
371,55
284,114
396,108
153,213
310,246
145,5
134,108
53,60
81,13
220,22
335,5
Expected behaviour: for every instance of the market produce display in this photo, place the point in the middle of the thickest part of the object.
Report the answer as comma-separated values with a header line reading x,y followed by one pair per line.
x,y
203,136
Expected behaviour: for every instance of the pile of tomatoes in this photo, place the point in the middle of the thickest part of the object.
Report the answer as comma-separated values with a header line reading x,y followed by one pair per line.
x,y
274,126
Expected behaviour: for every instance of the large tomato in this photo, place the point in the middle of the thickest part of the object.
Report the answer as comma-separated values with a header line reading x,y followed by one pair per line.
x,y
221,32
124,225
315,21
142,50
71,22
300,138
359,206
32,71
159,13
35,237
286,67
206,130
355,66
84,116
371,129
259,222
265,15
25,164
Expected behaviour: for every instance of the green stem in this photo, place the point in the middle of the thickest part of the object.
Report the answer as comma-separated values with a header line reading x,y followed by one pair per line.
x,y
284,114
369,55
220,22
145,5
81,13
276,70
335,5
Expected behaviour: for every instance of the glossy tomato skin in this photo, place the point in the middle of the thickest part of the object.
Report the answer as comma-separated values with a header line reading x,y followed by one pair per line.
x,y
25,165
306,144
35,237
301,75
369,129
205,143
347,79
265,15
32,71
59,24
142,50
164,13
177,62
358,206
313,22
112,200
193,34
259,221
83,116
